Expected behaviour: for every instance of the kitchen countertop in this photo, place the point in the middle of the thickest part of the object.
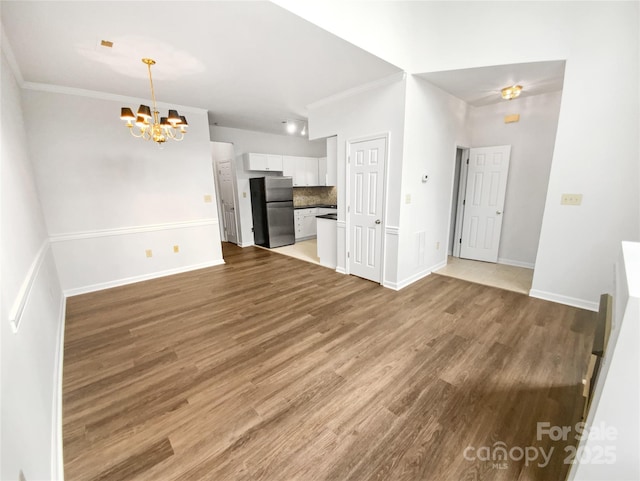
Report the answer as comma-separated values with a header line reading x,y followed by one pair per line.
x,y
328,216
324,206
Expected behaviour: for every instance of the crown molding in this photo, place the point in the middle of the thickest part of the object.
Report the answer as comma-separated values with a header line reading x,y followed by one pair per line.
x,y
11,58
59,89
389,79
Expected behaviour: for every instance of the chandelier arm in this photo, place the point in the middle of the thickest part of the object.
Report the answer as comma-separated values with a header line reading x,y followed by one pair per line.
x,y
134,134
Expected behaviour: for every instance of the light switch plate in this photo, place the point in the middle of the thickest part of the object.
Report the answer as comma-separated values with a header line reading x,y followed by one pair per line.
x,y
571,199
207,198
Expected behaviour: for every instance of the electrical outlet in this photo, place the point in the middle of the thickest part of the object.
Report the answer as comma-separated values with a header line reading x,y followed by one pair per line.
x,y
207,198
148,253
176,249
407,199
437,245
244,194
571,199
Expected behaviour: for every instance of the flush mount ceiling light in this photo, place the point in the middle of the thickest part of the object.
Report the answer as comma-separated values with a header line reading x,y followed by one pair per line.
x,y
148,123
294,126
510,93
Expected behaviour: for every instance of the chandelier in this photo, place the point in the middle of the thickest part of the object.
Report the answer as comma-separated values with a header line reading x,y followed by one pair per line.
x,y
148,125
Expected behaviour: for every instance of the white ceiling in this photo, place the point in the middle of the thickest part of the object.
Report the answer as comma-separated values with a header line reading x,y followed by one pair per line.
x,y
482,86
250,64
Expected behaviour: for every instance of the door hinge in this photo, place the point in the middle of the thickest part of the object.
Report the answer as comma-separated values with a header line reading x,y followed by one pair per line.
x,y
464,201
461,240
348,255
467,161
348,208
348,159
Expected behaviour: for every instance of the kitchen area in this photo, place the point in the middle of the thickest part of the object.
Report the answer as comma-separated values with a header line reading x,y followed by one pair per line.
x,y
294,203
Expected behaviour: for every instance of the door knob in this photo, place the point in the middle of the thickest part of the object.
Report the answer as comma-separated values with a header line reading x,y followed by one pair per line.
x,y
498,212
377,221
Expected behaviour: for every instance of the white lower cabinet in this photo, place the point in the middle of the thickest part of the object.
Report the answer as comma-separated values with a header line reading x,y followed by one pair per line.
x,y
305,221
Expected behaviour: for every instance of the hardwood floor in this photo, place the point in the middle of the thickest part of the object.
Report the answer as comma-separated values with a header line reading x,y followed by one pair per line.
x,y
269,368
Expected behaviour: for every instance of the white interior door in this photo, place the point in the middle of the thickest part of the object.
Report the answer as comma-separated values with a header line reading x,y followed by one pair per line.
x,y
367,161
484,202
226,197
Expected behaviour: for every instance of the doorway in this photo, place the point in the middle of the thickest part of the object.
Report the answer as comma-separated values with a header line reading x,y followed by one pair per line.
x,y
224,173
477,206
366,171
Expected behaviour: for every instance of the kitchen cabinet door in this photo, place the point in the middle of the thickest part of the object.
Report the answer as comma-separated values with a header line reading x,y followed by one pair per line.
x,y
332,161
311,171
322,171
274,162
309,228
289,167
263,162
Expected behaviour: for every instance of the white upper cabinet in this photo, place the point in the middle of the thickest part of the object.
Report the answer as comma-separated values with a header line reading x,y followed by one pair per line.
x,y
289,167
263,162
307,171
332,161
322,171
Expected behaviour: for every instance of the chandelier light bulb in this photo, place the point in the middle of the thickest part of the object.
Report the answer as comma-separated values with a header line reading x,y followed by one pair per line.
x,y
510,93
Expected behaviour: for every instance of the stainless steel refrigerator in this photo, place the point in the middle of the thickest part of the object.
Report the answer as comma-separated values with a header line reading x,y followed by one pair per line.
x,y
272,211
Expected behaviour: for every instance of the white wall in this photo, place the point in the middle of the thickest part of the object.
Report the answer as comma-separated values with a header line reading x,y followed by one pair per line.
x,y
435,124
107,197
532,140
375,111
616,395
250,141
31,357
596,151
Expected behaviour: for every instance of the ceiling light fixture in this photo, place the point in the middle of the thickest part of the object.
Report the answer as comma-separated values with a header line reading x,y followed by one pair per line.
x,y
150,126
295,126
510,93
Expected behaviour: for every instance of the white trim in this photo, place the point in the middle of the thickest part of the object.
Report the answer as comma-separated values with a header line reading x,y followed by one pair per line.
x,y
569,301
131,230
511,262
439,265
389,79
11,58
341,270
396,286
57,460
144,277
95,94
392,230
27,284
245,244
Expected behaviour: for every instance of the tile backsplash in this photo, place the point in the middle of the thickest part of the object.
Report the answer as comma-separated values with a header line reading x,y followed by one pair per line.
x,y
314,196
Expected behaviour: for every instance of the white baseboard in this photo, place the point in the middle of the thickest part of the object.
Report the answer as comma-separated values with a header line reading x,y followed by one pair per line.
x,y
341,270
145,277
439,266
57,460
396,286
566,300
511,262
245,244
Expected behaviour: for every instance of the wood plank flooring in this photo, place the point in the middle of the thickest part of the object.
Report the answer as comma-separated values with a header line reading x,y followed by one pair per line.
x,y
269,368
